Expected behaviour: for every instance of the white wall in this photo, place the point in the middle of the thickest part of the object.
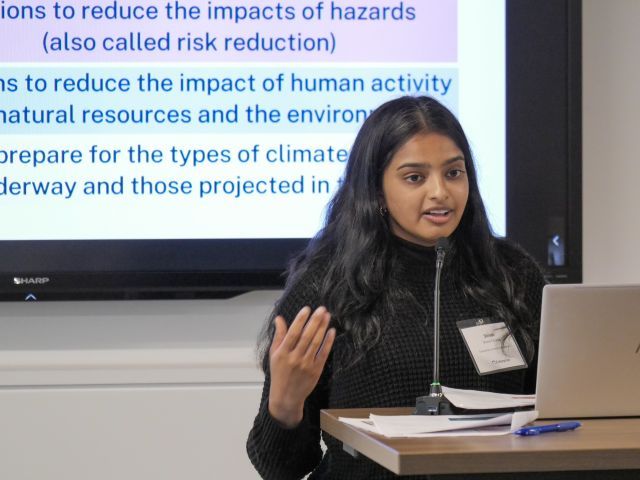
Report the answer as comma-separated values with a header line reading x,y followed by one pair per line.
x,y
147,390
611,130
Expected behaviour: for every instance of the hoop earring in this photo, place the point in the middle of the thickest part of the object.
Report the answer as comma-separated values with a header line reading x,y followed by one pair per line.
x,y
383,211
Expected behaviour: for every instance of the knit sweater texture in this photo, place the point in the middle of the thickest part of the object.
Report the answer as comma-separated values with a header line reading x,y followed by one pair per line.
x,y
396,370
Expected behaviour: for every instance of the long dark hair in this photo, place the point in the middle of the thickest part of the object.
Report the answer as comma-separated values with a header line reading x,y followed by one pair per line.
x,y
355,241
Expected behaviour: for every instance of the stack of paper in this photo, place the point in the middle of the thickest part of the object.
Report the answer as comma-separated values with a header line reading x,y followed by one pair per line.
x,y
455,425
442,425
477,400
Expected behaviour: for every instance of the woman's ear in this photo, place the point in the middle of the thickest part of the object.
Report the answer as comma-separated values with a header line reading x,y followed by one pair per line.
x,y
382,206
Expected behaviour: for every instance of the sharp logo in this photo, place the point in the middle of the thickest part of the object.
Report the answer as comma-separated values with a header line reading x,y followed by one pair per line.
x,y
30,280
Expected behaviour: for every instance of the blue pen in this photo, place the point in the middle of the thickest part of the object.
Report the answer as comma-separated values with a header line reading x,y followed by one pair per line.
x,y
555,427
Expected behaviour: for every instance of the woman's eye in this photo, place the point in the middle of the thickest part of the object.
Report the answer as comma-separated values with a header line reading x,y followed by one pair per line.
x,y
455,173
414,178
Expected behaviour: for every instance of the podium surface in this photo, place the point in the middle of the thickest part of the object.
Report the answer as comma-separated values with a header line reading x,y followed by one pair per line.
x,y
600,444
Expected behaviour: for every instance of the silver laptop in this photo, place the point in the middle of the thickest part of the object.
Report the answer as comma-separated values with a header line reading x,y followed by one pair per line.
x,y
589,357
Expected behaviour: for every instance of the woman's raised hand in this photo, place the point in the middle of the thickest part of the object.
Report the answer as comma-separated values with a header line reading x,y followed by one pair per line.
x,y
296,359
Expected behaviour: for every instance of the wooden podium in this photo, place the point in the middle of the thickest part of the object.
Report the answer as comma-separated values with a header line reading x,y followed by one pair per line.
x,y
600,444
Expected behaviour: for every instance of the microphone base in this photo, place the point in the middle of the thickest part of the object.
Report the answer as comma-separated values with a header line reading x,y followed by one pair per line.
x,y
435,405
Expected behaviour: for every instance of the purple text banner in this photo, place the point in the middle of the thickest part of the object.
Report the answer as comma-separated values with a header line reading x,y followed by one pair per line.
x,y
231,31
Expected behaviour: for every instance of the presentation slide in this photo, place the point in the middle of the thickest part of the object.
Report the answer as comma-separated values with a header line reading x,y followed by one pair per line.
x,y
185,119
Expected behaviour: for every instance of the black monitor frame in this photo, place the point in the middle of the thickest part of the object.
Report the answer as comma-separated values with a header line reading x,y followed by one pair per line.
x,y
544,195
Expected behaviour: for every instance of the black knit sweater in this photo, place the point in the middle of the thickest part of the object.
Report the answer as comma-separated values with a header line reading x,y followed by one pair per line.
x,y
396,370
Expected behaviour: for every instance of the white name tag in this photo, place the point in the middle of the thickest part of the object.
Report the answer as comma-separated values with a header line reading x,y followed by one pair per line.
x,y
491,345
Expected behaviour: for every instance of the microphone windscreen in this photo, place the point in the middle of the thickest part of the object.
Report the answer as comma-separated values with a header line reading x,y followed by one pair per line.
x,y
442,244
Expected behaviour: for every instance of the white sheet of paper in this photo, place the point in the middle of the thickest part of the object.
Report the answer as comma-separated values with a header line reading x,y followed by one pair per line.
x,y
362,423
475,399
420,426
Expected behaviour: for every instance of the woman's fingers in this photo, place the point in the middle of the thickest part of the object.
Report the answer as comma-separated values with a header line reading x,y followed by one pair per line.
x,y
316,325
280,333
325,349
318,336
303,329
295,329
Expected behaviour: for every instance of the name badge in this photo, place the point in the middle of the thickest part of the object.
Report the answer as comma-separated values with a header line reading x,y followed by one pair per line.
x,y
491,345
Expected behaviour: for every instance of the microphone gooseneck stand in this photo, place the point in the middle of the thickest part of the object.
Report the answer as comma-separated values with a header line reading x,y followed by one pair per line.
x,y
436,403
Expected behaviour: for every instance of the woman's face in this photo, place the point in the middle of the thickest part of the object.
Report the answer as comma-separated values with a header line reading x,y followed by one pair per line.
x,y
425,189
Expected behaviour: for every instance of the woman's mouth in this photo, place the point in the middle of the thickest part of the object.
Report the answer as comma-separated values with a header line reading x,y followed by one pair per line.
x,y
438,216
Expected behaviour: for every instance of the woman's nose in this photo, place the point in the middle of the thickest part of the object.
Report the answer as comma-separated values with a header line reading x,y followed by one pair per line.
x,y
436,187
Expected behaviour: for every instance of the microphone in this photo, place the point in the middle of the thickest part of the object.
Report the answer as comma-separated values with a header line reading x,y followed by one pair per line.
x,y
436,403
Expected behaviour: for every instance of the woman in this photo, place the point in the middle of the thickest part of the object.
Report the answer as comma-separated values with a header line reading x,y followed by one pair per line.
x,y
353,327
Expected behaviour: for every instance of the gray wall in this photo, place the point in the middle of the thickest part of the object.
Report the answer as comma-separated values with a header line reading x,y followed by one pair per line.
x,y
611,130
